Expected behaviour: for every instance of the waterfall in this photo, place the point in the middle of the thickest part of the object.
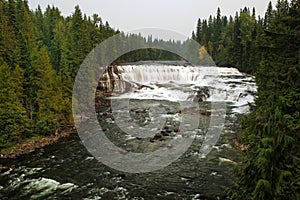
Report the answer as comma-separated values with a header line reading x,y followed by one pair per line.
x,y
159,74
182,83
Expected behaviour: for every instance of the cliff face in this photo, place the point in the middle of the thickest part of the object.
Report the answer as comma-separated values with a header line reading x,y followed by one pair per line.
x,y
106,87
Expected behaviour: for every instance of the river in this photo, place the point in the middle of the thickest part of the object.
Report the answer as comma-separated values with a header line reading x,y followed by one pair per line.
x,y
66,170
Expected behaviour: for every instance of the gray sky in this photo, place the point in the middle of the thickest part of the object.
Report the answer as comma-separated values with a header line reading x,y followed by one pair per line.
x,y
180,16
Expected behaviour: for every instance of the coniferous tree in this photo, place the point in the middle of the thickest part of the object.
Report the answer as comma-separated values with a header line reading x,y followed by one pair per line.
x,y
198,35
271,164
43,51
268,16
48,95
12,114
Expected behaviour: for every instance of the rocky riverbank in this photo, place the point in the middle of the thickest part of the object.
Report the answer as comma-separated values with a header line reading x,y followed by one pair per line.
x,y
30,145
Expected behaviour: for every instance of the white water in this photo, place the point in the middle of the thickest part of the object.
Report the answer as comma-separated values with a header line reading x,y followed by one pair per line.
x,y
180,83
38,188
177,83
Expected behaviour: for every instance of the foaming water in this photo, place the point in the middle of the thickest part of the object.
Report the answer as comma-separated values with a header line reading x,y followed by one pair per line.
x,y
183,83
67,171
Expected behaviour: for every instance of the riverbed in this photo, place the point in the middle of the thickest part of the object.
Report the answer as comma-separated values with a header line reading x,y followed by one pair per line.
x,y
67,170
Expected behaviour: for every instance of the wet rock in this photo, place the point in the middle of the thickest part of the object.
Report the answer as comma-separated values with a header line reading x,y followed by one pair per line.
x,y
122,175
158,136
140,111
4,169
145,86
176,130
205,113
169,131
164,133
112,118
167,127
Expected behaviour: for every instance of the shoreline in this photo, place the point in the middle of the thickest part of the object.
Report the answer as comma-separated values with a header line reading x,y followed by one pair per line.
x,y
30,145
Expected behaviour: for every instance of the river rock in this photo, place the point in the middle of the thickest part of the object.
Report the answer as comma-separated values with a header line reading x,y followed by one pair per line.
x,y
176,130
4,169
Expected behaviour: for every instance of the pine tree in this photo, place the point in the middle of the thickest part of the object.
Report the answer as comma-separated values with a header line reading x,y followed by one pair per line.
x,y
8,26
268,16
246,27
271,167
48,94
198,35
12,115
43,52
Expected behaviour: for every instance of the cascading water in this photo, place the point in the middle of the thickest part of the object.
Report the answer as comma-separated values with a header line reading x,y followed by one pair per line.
x,y
67,171
181,83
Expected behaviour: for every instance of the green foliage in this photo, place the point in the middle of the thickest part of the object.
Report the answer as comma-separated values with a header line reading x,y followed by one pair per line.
x,y
46,125
43,52
48,96
40,53
232,42
12,114
271,166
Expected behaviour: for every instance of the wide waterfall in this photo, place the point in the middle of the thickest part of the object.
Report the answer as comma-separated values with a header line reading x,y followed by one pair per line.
x,y
182,83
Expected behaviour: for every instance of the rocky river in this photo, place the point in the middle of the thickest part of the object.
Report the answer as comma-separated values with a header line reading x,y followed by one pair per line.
x,y
141,108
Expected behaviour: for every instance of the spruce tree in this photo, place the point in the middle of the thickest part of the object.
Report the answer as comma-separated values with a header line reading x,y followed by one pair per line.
x,y
12,114
270,169
48,94
199,31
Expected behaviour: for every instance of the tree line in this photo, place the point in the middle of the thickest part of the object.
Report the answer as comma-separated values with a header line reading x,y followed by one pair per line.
x,y
233,41
271,164
40,53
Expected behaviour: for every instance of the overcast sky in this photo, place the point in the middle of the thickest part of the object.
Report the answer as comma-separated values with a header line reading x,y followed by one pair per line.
x,y
177,15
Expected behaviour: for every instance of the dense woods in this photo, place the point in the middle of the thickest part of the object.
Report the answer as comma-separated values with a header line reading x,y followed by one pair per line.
x,y
268,47
233,41
271,167
41,52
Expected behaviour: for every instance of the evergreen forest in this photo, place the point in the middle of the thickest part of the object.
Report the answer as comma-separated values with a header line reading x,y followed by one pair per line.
x,y
41,52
